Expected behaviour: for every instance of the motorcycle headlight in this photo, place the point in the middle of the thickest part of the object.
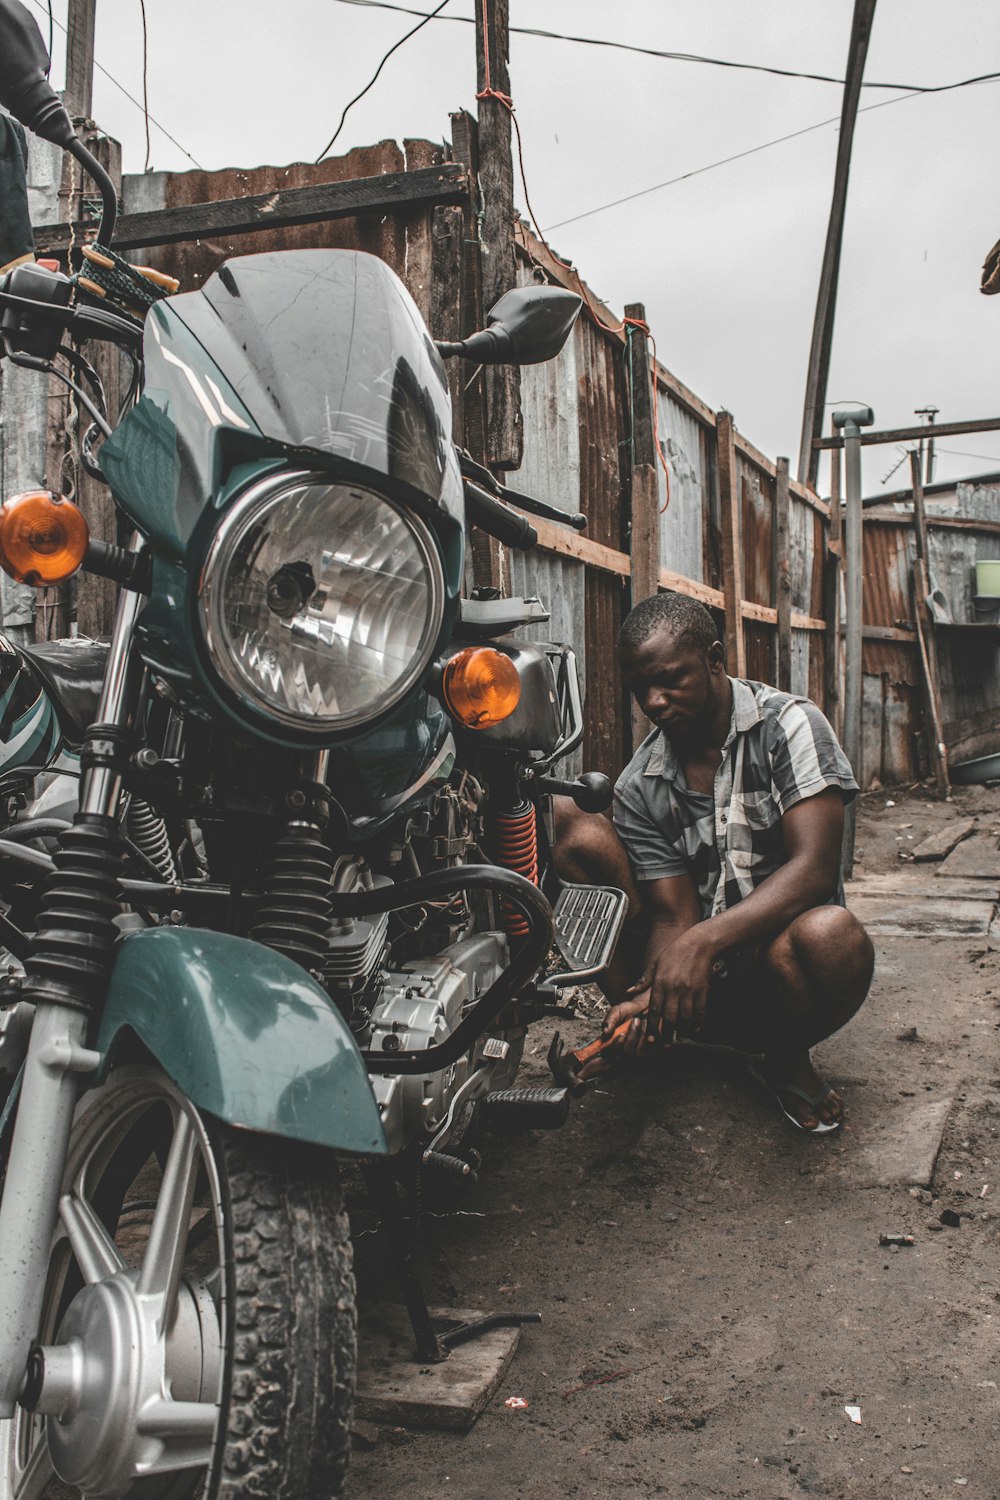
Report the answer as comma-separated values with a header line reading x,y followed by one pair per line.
x,y
320,601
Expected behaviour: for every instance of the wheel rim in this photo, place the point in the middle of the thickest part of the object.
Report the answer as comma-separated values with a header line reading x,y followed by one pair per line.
x,y
126,1390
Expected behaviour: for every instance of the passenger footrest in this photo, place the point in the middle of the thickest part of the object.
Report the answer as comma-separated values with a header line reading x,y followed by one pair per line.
x,y
588,921
512,1110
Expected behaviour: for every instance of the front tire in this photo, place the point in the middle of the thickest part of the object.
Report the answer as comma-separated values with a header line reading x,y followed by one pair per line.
x,y
199,1326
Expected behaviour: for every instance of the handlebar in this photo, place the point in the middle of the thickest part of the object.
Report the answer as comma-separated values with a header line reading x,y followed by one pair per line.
x,y
480,475
498,519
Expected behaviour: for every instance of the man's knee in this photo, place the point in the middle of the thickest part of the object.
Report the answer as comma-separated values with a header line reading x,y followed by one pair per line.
x,y
829,944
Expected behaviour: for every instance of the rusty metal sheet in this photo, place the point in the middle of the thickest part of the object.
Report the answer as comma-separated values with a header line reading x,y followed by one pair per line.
x,y
757,510
604,744
683,439
886,591
602,401
560,583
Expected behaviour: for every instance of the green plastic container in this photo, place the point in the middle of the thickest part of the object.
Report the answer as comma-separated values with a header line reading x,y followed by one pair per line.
x,y
988,579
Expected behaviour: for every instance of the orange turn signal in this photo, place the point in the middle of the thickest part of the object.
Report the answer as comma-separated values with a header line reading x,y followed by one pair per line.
x,y
481,687
43,538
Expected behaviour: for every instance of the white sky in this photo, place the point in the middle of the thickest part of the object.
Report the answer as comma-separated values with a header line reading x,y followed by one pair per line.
x,y
727,262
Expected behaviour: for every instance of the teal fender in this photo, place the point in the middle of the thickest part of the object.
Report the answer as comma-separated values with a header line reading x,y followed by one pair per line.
x,y
247,1035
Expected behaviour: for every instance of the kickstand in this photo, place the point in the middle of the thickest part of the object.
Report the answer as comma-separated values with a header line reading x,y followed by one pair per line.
x,y
432,1348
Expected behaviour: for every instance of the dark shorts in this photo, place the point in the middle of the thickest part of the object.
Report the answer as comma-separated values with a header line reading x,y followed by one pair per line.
x,y
737,999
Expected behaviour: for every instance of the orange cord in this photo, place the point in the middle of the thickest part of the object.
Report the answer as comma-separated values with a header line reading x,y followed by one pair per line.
x,y
489,92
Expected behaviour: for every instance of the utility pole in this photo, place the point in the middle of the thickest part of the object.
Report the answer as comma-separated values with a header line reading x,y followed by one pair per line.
x,y
930,412
504,432
851,422
826,297
78,95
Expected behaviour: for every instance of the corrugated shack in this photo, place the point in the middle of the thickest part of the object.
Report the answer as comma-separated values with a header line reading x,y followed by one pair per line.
x,y
675,495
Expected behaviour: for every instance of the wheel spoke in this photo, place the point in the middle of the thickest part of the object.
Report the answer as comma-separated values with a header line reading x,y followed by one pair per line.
x,y
30,1483
164,1259
95,1250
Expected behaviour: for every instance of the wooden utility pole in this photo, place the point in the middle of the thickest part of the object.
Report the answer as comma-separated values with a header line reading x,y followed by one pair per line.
x,y
504,431
826,297
644,494
78,95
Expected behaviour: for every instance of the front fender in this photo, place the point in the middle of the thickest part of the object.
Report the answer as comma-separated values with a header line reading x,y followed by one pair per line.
x,y
246,1033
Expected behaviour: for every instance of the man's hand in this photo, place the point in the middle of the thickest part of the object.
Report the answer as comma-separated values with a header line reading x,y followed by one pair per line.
x,y
672,993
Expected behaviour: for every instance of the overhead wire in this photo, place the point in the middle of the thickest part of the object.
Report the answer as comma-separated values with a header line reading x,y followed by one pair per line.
x,y
42,6
371,82
693,57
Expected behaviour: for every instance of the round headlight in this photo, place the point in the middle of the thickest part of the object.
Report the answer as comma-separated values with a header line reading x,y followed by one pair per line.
x,y
320,602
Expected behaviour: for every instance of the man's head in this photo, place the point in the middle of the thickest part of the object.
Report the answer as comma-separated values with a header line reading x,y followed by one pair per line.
x,y
674,665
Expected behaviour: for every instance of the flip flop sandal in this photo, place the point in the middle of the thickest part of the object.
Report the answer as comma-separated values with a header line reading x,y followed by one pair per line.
x,y
822,1127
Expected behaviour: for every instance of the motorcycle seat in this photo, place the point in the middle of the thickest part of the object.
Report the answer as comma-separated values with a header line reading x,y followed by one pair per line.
x,y
73,673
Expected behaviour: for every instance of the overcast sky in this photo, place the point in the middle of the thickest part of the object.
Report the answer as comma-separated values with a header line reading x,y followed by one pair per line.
x,y
727,261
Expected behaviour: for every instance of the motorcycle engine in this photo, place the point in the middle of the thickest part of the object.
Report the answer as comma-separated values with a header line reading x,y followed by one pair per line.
x,y
421,1005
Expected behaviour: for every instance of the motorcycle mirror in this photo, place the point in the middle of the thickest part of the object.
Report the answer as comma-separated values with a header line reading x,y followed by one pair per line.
x,y
24,88
526,327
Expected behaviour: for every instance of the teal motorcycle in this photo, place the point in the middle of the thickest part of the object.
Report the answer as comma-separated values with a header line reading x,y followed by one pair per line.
x,y
275,868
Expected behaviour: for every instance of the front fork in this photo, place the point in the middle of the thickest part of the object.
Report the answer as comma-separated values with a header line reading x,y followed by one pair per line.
x,y
57,1058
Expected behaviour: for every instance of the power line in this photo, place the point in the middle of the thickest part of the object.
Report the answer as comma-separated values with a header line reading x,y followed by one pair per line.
x,y
987,458
694,57
130,97
371,82
722,162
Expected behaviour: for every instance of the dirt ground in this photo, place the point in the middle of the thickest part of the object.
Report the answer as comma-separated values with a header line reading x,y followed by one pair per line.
x,y
711,1283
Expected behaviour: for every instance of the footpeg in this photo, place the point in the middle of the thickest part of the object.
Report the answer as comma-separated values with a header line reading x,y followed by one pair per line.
x,y
588,922
511,1110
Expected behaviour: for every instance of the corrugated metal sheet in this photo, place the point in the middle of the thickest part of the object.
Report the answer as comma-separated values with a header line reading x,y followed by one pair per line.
x,y
559,583
683,439
757,510
550,468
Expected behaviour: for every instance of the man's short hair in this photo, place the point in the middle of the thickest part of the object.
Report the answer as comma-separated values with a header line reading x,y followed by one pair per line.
x,y
687,621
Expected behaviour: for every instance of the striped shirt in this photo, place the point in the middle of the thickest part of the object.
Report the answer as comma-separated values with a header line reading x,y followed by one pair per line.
x,y
780,749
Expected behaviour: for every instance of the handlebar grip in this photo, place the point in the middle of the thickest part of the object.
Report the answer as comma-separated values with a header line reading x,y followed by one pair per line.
x,y
499,520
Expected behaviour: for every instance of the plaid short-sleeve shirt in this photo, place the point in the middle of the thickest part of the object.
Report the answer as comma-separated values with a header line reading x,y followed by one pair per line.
x,y
780,749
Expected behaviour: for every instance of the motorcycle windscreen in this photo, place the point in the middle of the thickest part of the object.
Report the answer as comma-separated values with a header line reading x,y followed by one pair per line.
x,y
326,350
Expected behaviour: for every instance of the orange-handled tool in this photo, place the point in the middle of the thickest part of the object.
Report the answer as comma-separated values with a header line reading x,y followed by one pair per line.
x,y
575,1069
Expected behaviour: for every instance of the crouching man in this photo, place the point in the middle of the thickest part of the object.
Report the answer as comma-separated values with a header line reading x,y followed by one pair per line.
x,y
728,823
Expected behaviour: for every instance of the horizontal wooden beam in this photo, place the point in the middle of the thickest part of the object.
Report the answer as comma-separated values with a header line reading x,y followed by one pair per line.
x,y
386,193
915,434
564,543
907,635
934,523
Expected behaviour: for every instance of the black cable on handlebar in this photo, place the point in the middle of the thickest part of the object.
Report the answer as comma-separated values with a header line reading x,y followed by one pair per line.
x,y
524,963
498,519
109,194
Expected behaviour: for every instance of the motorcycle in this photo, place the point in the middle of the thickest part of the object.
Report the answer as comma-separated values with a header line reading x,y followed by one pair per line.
x,y
273,858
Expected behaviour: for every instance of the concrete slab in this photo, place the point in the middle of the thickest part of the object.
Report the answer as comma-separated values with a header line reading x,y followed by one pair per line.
x,y
943,840
977,858
904,1148
886,916
908,883
392,1387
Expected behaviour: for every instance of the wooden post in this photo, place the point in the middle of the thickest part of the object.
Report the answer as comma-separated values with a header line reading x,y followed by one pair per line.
x,y
926,637
732,550
644,494
783,575
826,296
504,432
78,95
832,564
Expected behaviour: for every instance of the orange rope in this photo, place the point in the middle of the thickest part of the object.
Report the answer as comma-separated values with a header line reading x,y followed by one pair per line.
x,y
489,92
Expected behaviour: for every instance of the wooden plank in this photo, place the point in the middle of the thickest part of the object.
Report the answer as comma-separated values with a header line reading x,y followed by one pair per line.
x,y
393,1386
924,619
732,551
387,193
914,434
933,522
78,95
907,633
783,577
943,840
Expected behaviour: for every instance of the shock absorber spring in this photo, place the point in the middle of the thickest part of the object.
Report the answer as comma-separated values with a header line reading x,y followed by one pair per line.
x,y
294,915
148,832
515,843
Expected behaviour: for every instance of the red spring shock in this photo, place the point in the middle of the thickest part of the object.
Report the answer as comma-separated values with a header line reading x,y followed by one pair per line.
x,y
515,836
